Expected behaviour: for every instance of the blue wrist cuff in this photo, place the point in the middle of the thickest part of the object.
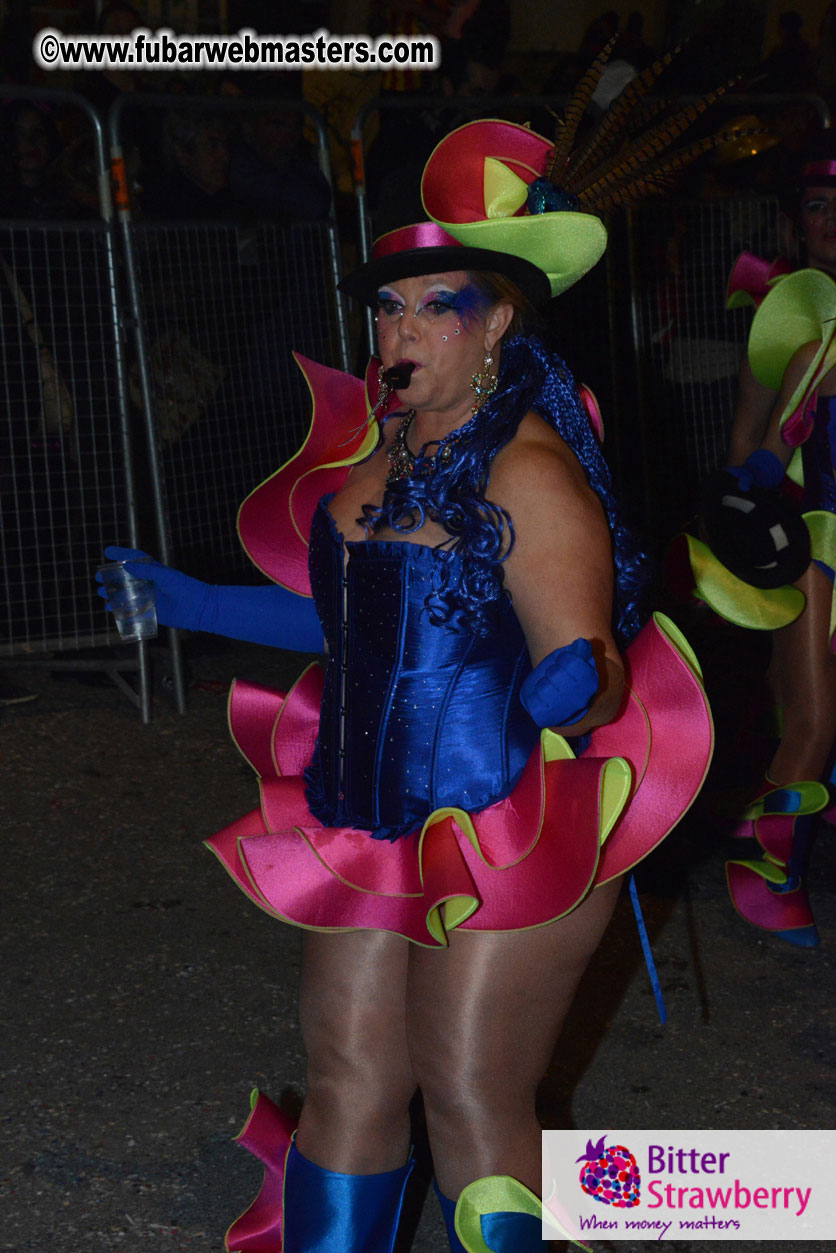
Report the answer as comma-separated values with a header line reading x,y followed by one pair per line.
x,y
760,469
560,690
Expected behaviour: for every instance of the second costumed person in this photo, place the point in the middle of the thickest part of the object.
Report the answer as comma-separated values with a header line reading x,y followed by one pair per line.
x,y
768,565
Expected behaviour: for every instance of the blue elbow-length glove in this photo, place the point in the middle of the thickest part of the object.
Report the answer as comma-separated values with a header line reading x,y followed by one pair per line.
x,y
261,615
561,688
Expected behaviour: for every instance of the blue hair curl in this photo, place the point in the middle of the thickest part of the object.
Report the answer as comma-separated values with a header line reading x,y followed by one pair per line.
x,y
482,533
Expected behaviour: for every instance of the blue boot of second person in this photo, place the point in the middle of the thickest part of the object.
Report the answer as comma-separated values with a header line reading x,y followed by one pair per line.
x,y
498,1214
328,1212
448,1211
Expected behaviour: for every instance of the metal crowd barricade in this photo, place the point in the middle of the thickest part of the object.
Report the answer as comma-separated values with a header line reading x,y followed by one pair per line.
x,y
217,307
66,476
687,347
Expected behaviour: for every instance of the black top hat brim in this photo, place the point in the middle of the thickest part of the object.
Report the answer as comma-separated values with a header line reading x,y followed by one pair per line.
x,y
365,282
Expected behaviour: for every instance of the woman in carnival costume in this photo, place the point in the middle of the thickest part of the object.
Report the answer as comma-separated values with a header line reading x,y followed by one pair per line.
x,y
497,737
810,208
785,424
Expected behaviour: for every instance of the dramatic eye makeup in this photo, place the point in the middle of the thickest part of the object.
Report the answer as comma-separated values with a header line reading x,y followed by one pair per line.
x,y
389,306
466,303
436,303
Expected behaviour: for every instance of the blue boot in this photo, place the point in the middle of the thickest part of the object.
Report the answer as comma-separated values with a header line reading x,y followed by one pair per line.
x,y
328,1212
500,1215
448,1211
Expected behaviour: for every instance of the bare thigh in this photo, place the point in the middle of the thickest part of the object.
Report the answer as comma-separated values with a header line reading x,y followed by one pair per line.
x,y
482,1021
360,1081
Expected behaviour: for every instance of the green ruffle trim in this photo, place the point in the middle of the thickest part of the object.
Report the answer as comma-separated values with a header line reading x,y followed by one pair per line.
x,y
500,1194
757,608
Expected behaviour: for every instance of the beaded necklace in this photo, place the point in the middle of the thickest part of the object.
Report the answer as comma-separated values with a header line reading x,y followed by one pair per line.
x,y
404,463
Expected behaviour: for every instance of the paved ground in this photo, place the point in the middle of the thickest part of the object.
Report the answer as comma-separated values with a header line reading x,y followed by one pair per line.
x,y
145,997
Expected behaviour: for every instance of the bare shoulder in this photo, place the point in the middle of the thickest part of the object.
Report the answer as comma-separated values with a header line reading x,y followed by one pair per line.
x,y
536,463
804,356
800,363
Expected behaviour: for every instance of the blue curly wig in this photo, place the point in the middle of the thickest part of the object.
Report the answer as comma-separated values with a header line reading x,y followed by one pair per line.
x,y
481,533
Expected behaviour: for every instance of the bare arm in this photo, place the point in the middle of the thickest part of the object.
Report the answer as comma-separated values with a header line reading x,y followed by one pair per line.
x,y
559,573
755,404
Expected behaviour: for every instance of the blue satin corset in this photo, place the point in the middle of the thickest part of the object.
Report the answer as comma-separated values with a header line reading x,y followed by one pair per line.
x,y
819,458
414,716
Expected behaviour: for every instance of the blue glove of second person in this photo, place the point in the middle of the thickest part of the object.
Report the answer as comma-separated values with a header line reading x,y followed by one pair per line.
x,y
262,615
561,688
760,469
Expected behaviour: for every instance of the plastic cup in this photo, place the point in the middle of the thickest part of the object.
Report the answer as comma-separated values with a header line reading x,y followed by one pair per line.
x,y
132,602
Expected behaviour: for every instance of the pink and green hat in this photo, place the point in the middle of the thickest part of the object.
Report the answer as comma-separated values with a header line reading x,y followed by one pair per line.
x,y
485,183
426,248
491,208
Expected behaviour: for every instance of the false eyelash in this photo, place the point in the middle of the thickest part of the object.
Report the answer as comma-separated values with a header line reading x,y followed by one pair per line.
x,y
447,301
467,302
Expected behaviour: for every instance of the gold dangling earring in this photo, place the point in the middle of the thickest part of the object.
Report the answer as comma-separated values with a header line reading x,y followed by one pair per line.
x,y
483,383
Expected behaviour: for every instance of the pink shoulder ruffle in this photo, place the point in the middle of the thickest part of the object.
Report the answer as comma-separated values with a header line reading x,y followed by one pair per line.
x,y
751,278
593,411
274,522
525,861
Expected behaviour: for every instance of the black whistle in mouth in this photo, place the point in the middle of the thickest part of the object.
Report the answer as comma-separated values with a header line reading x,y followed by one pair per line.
x,y
398,376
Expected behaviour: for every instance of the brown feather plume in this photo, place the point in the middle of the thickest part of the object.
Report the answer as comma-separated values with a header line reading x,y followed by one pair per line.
x,y
627,155
605,137
649,147
633,185
576,106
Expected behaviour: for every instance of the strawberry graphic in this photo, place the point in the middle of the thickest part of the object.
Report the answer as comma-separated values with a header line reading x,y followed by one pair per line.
x,y
610,1174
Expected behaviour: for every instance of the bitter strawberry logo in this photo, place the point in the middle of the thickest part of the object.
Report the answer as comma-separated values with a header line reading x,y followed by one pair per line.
x,y
610,1174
